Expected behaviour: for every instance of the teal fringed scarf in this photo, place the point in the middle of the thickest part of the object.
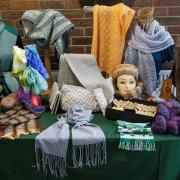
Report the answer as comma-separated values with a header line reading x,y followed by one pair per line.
x,y
135,136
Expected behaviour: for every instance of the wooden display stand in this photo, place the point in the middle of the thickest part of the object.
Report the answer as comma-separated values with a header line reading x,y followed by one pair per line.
x,y
48,68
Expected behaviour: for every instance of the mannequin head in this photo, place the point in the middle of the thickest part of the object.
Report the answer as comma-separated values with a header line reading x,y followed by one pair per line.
x,y
126,82
125,79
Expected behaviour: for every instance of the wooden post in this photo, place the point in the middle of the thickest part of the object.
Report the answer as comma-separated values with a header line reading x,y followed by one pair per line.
x,y
48,68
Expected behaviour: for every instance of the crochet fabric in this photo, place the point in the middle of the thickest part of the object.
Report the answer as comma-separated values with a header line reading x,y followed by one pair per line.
x,y
139,50
109,32
88,142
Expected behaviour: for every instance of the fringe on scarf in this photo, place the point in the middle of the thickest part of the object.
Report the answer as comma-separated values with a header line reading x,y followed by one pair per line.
x,y
56,165
137,146
91,155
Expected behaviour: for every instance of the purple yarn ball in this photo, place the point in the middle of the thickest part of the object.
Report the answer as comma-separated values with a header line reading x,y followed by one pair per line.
x,y
173,127
160,125
168,104
175,104
163,110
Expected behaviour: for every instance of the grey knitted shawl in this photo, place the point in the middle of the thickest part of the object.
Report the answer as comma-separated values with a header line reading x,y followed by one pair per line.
x,y
47,27
88,143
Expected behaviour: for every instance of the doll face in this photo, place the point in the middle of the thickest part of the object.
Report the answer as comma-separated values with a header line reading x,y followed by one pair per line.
x,y
126,83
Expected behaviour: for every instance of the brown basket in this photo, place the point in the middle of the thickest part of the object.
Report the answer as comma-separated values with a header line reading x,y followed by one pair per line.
x,y
145,14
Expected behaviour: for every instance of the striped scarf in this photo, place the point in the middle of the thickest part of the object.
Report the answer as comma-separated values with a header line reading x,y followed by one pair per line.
x,y
135,136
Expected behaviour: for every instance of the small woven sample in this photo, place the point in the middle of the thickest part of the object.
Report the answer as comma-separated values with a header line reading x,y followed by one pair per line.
x,y
12,132
139,108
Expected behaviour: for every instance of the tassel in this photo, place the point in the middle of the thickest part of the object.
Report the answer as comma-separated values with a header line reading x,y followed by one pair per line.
x,y
95,154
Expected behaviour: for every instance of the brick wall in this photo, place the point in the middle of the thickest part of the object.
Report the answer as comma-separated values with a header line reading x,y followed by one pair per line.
x,y
166,11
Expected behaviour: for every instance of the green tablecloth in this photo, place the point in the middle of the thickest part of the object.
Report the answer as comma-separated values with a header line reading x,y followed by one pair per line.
x,y
17,158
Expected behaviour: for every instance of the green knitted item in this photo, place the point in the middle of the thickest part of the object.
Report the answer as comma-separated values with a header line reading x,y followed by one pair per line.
x,y
135,136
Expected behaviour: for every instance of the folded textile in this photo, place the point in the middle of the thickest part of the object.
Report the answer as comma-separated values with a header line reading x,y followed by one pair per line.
x,y
82,70
30,79
135,136
88,142
139,52
31,101
19,60
12,132
17,115
34,60
110,25
47,27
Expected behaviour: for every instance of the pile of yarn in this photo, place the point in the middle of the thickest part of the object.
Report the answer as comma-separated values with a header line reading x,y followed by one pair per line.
x,y
167,119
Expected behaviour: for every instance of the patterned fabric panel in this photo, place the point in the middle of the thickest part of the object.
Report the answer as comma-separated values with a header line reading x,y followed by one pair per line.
x,y
75,95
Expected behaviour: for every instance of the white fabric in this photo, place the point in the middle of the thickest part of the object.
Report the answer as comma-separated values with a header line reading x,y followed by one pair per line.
x,y
139,50
154,40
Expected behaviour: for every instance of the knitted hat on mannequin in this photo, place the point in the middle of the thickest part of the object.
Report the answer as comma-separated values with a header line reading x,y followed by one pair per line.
x,y
127,69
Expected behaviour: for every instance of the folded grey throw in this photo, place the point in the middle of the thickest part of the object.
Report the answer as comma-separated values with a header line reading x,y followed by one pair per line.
x,y
82,70
88,143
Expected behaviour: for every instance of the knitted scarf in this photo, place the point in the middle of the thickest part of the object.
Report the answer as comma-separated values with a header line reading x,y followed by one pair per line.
x,y
88,142
47,27
139,50
110,24
135,136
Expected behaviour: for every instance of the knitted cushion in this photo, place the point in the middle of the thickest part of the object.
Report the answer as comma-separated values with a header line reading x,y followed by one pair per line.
x,y
76,95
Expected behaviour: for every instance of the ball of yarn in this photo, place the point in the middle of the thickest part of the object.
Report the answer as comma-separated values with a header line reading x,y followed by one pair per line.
x,y
163,110
175,118
174,112
168,104
174,103
159,125
173,127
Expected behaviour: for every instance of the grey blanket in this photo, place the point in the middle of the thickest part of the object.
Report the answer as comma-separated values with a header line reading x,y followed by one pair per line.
x,y
82,70
47,27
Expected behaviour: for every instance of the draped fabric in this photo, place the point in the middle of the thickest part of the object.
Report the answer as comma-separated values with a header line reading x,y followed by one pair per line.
x,y
139,52
109,32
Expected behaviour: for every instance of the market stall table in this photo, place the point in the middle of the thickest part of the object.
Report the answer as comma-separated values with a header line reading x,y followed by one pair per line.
x,y
17,158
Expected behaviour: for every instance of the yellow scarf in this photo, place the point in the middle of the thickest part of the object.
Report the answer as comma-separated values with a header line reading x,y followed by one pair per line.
x,y
109,32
